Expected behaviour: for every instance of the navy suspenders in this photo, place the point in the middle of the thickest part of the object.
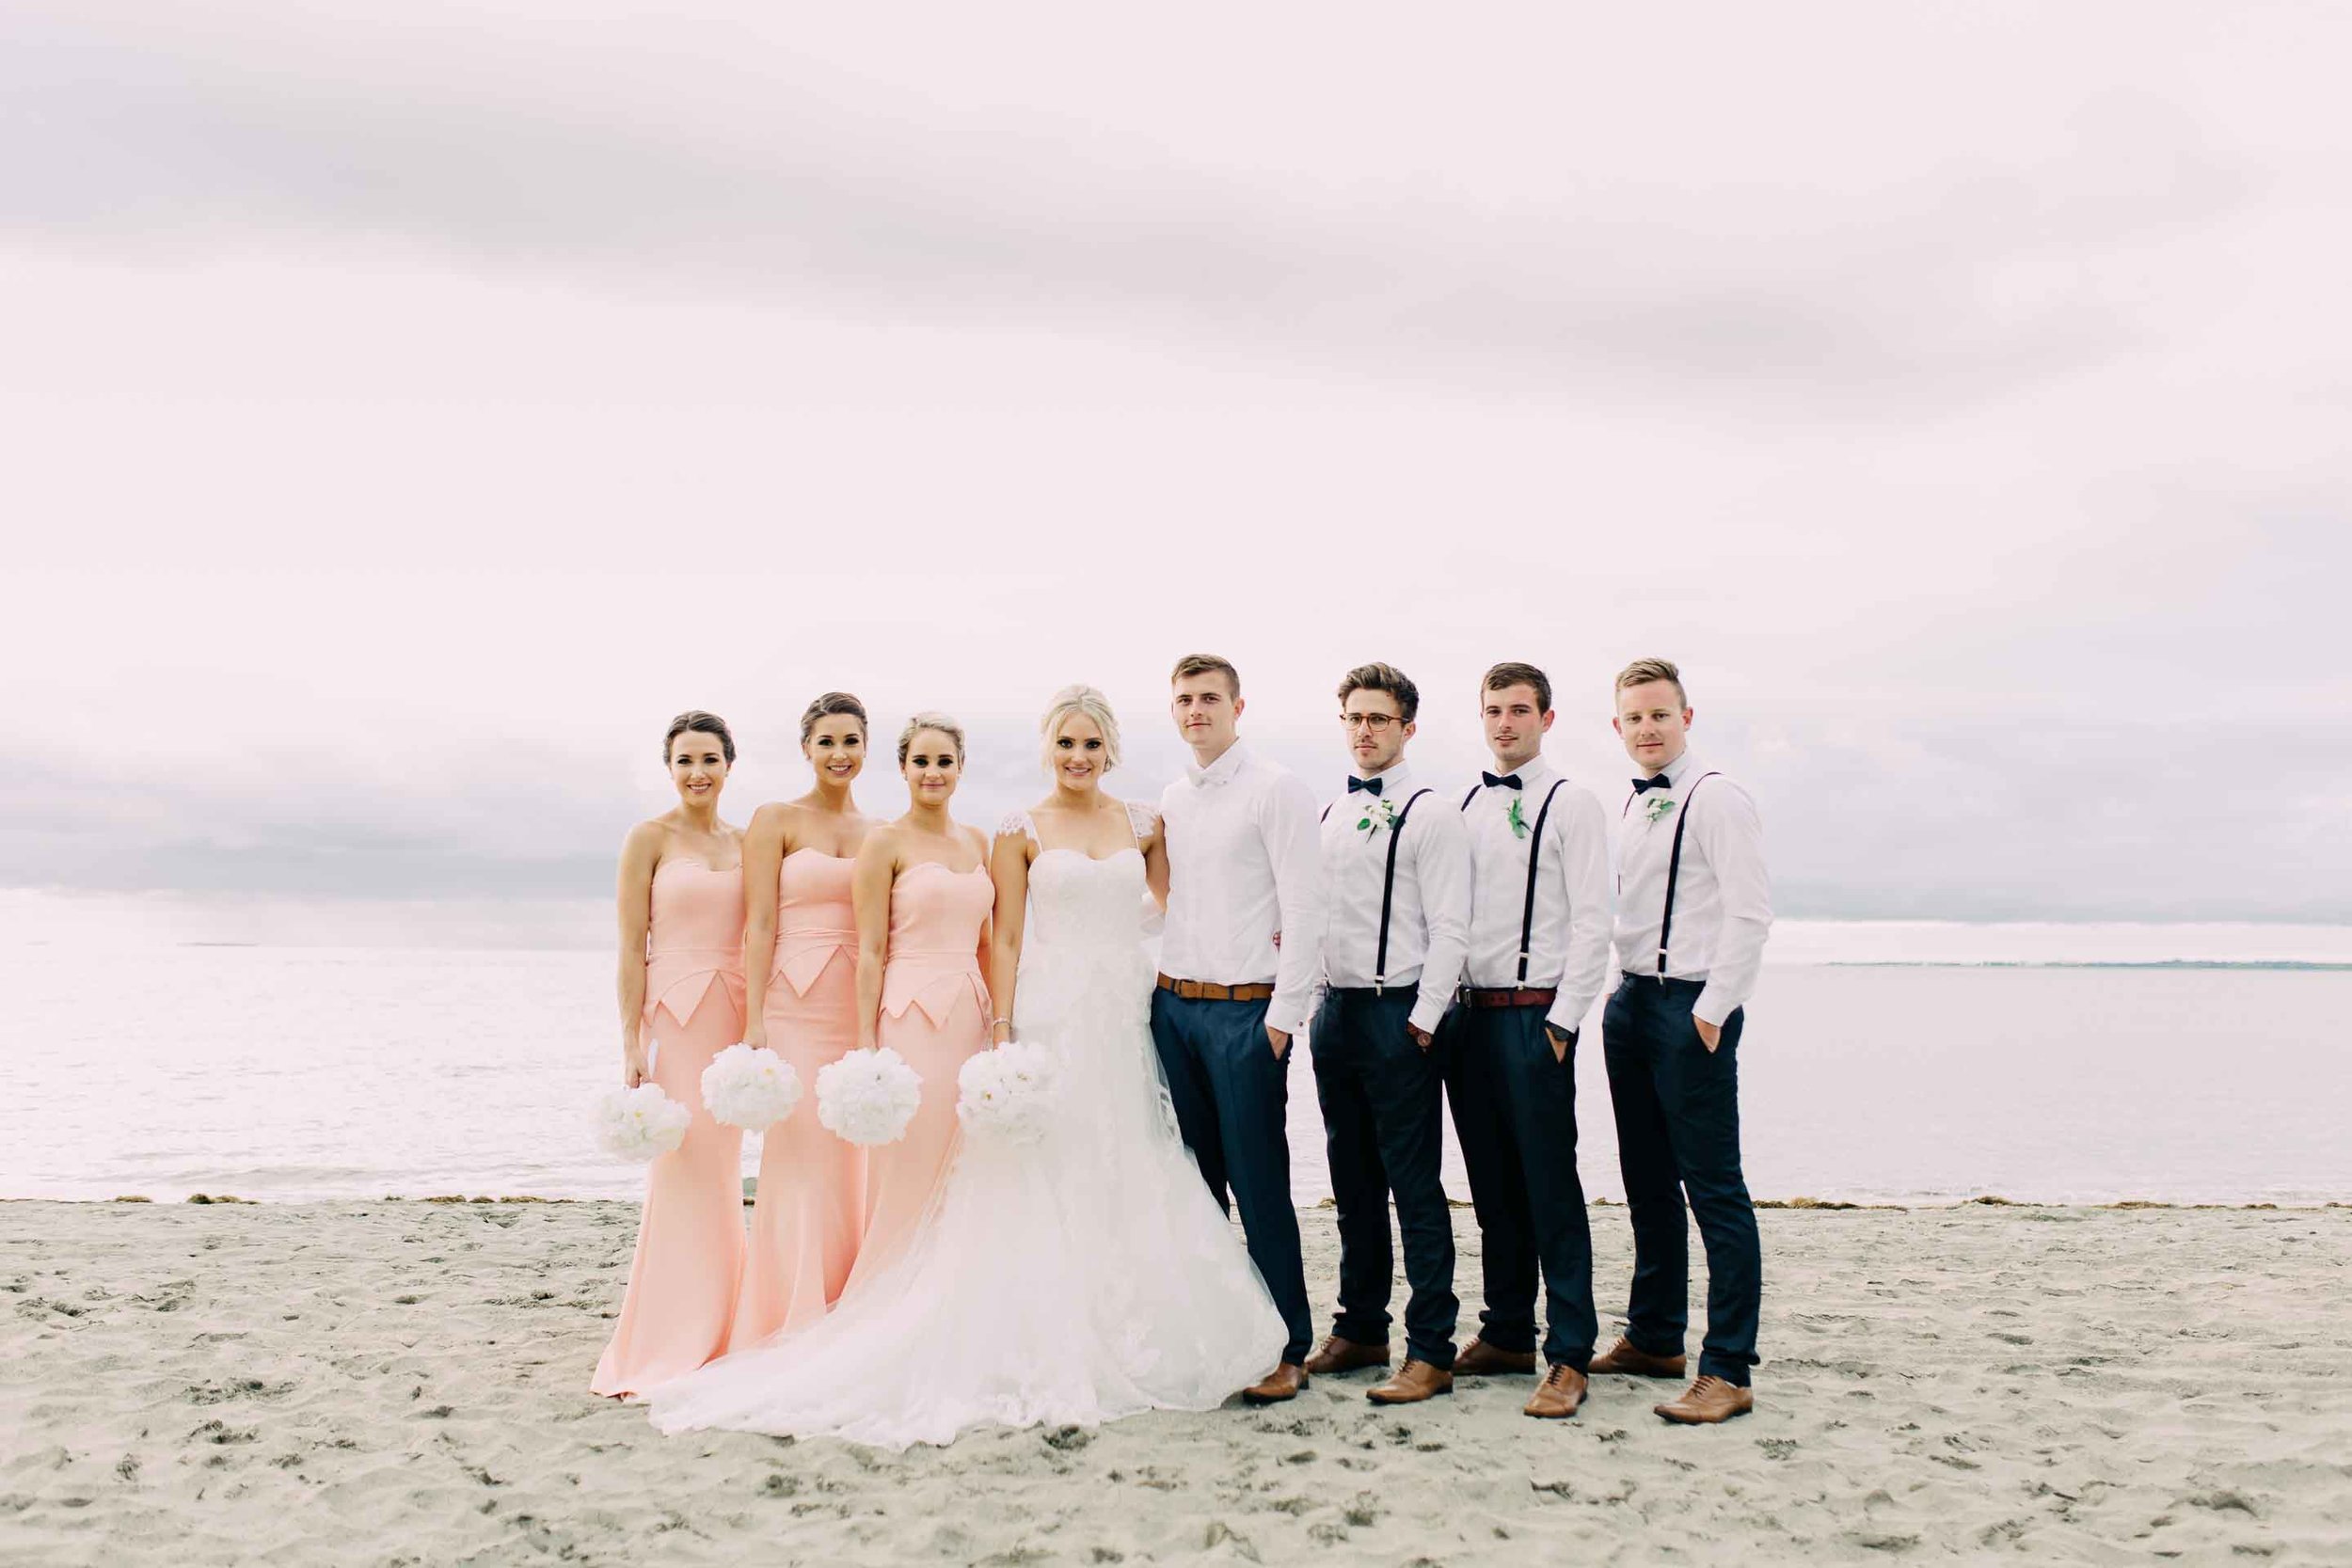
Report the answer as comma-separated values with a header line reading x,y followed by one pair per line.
x,y
1387,890
1534,855
1674,868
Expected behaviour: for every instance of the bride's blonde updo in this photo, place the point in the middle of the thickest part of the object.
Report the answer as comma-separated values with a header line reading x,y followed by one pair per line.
x,y
1068,702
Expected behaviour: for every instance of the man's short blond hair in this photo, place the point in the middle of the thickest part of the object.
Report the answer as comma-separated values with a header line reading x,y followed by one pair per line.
x,y
1207,664
1642,671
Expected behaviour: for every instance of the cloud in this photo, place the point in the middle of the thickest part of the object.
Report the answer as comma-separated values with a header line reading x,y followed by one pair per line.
x,y
1558,240
413,410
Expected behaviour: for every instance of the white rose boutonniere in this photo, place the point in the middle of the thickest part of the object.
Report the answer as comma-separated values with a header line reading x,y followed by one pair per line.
x,y
1658,806
1378,813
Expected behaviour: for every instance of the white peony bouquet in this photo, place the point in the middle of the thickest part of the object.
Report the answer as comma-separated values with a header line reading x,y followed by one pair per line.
x,y
867,1097
1006,1093
750,1088
640,1123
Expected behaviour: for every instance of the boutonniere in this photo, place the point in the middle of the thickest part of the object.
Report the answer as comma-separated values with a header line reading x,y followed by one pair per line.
x,y
1658,806
1517,818
1378,813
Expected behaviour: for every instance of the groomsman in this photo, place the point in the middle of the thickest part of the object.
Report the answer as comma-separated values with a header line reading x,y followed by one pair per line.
x,y
1693,909
1539,957
1237,956
1397,892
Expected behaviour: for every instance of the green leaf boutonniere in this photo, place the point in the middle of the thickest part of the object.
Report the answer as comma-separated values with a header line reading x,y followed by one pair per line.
x,y
1659,805
1517,818
1378,813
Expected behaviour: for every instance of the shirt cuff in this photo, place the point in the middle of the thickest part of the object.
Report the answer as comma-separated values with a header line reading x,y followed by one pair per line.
x,y
1428,1012
1713,1007
1285,1019
1566,1021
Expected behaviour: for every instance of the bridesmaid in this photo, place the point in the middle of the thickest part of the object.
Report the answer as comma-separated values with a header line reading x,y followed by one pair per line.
x,y
800,962
681,903
923,896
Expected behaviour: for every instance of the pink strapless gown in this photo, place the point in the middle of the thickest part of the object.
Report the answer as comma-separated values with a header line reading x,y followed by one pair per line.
x,y
935,1013
689,1242
811,1185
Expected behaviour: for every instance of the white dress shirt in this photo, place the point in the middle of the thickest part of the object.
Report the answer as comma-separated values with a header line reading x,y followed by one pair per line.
x,y
1568,947
1429,909
1242,866
1723,900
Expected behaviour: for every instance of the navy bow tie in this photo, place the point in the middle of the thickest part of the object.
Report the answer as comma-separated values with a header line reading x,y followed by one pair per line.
x,y
1508,781
1643,786
1370,786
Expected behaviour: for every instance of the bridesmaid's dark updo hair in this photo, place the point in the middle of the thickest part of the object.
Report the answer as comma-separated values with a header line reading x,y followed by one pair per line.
x,y
699,722
826,706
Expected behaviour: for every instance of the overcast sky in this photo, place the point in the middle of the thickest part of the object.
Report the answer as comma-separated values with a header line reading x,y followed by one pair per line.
x,y
406,409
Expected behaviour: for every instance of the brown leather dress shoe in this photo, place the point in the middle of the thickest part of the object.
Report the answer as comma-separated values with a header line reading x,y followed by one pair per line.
x,y
1344,1356
1480,1360
1559,1394
1708,1400
1283,1383
1623,1357
1414,1381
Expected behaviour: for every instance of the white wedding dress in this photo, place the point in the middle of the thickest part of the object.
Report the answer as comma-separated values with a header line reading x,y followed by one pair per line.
x,y
1073,1281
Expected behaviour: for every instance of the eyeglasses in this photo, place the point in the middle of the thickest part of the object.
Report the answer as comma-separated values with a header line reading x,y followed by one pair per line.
x,y
1376,722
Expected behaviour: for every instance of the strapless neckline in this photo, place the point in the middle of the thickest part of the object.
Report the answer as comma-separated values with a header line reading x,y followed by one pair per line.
x,y
811,850
735,870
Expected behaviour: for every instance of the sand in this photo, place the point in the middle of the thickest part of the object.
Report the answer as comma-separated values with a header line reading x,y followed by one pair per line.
x,y
405,1383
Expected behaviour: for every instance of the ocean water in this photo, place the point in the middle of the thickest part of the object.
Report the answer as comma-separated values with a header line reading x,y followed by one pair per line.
x,y
284,1072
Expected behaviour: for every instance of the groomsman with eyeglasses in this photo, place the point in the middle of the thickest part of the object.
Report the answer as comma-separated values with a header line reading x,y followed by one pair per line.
x,y
1538,959
1693,909
1396,879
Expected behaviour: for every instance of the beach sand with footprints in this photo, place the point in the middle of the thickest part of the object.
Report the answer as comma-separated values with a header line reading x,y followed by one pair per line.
x,y
405,1383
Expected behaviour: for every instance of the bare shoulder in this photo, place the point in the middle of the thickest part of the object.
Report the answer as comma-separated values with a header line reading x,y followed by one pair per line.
x,y
978,839
646,838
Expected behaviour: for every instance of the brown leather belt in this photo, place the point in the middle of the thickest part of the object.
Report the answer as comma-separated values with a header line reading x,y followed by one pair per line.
x,y
1507,996
1209,991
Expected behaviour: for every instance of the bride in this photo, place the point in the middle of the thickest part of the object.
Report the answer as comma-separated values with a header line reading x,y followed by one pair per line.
x,y
1076,1279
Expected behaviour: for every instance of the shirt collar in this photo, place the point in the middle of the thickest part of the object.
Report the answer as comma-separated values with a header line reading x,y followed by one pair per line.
x,y
1679,771
1221,772
1534,773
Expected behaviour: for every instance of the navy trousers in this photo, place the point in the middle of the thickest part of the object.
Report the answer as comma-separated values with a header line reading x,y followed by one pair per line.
x,y
1232,1098
1515,1111
1382,1128
1677,1109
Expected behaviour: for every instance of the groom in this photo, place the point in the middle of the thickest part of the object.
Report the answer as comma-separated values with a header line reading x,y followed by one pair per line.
x,y
1237,960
